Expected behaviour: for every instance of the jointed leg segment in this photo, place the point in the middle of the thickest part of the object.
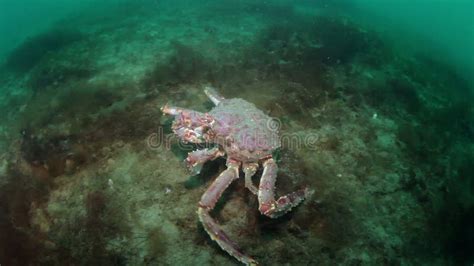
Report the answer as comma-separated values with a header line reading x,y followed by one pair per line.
x,y
196,159
266,196
249,170
213,95
208,202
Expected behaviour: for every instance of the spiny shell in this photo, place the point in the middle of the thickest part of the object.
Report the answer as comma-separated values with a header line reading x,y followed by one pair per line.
x,y
244,131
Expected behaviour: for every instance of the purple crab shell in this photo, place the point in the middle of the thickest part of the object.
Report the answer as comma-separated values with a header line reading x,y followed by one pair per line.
x,y
244,131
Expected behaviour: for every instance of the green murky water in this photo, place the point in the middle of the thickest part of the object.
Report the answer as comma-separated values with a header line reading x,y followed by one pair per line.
x,y
372,101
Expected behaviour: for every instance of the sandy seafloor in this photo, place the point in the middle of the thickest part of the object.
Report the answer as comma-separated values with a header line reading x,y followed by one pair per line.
x,y
391,164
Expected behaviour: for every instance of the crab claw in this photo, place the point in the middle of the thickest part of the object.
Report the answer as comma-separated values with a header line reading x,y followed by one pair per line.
x,y
190,126
171,110
196,159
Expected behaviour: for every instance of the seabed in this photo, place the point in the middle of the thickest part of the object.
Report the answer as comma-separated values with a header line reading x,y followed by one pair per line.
x,y
90,175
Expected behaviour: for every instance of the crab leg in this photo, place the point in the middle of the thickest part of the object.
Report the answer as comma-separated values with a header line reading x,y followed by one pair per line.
x,y
207,203
266,198
171,110
249,170
213,95
196,159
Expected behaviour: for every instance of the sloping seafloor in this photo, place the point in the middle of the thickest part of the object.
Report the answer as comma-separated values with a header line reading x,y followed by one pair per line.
x,y
391,163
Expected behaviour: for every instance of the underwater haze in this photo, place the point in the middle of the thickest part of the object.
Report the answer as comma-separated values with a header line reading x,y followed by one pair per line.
x,y
22,19
444,29
228,132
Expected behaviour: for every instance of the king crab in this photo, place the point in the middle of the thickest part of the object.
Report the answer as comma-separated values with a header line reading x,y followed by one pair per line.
x,y
244,134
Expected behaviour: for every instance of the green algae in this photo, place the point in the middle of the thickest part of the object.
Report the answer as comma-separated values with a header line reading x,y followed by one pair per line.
x,y
33,50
